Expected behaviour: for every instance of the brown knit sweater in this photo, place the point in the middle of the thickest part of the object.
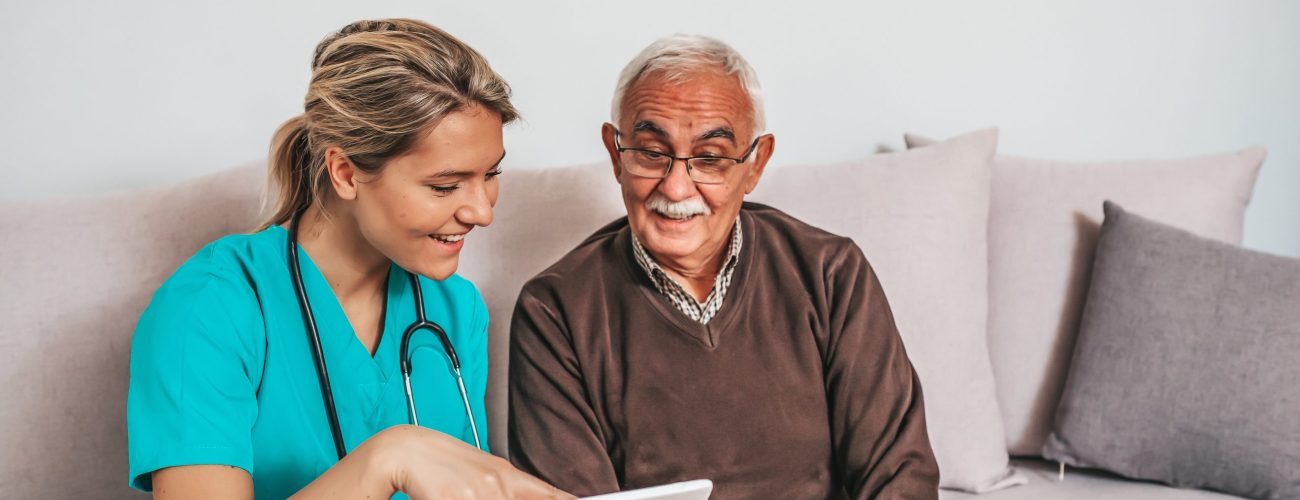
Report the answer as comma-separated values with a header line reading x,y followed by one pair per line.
x,y
798,388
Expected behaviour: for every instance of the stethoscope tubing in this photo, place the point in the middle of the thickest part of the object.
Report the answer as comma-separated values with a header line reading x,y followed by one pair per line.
x,y
313,339
318,353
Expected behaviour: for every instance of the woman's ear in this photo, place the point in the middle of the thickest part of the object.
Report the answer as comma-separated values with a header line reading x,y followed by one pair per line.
x,y
342,173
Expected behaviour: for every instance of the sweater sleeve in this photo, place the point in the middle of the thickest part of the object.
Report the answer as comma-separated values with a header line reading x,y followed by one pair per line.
x,y
554,433
877,414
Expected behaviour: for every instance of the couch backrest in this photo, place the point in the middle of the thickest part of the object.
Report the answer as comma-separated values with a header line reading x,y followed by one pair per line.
x,y
74,277
77,274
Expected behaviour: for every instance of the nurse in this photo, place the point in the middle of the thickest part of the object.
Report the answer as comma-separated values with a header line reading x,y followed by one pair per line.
x,y
389,169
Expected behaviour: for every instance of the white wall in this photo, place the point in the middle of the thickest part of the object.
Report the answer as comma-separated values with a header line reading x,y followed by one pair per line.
x,y
99,96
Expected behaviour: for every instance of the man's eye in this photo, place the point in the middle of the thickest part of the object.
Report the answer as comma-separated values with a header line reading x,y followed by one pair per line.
x,y
705,161
651,155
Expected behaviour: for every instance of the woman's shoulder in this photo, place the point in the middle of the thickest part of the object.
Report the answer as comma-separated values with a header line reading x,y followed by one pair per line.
x,y
222,275
235,257
210,301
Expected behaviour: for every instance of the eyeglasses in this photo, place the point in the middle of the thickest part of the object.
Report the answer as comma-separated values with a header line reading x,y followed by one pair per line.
x,y
652,164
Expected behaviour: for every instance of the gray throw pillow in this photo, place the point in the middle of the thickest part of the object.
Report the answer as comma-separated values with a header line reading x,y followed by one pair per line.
x,y
1187,366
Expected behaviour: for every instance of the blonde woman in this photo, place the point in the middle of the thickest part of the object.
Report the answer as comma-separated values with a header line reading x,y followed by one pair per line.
x,y
334,353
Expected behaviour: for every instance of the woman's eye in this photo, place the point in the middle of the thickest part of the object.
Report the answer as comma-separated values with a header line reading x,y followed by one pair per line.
x,y
445,189
493,173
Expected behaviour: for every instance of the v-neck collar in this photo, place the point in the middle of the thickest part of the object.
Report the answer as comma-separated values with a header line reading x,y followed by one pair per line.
x,y
344,351
706,334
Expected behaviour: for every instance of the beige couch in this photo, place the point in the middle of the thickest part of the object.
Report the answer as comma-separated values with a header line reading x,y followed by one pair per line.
x,y
75,275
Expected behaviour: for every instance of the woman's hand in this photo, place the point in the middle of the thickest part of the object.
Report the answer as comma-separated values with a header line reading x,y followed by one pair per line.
x,y
424,464
427,464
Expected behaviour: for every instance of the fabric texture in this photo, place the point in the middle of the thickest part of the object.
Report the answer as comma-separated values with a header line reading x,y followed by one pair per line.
x,y
799,388
921,219
1185,370
222,372
1043,223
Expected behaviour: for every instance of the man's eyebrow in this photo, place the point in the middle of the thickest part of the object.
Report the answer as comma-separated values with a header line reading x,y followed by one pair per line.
x,y
722,132
648,126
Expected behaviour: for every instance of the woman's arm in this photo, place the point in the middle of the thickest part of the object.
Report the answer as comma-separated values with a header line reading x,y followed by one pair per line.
x,y
214,482
358,475
420,462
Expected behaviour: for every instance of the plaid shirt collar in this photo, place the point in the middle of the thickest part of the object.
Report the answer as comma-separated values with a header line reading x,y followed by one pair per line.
x,y
684,301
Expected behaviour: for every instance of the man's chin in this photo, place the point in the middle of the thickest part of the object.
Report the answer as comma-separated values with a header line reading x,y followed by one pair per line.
x,y
671,246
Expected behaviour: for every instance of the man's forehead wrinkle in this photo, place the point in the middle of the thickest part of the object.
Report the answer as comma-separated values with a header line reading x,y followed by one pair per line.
x,y
697,110
705,95
701,122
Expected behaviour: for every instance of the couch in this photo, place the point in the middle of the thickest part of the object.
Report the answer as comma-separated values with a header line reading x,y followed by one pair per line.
x,y
75,275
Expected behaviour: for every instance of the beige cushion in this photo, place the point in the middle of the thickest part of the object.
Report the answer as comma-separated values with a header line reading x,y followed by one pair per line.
x,y
1043,225
920,218
76,276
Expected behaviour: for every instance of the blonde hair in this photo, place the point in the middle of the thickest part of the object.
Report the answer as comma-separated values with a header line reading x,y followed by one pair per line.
x,y
375,86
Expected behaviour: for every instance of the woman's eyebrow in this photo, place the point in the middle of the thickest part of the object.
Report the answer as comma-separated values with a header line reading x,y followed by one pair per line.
x,y
464,173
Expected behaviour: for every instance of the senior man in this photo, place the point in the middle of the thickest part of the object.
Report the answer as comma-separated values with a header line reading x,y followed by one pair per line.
x,y
706,337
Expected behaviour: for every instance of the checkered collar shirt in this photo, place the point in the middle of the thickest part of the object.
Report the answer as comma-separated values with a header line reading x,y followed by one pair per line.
x,y
685,302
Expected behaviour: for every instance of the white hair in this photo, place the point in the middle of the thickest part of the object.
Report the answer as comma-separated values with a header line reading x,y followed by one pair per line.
x,y
677,56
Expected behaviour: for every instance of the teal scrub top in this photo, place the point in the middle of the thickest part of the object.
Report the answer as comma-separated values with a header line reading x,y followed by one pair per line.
x,y
221,371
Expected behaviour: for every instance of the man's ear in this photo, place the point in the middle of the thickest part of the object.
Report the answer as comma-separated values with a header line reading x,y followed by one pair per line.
x,y
607,133
762,153
342,173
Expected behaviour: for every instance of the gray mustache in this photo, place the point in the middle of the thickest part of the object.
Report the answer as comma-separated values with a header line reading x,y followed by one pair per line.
x,y
677,209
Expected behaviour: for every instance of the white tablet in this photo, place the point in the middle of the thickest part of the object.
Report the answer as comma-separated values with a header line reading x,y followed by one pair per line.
x,y
698,489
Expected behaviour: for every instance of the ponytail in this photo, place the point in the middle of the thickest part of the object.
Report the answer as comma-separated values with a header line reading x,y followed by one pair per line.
x,y
292,176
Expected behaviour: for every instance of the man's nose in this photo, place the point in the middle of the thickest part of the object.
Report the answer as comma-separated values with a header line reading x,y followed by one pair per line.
x,y
678,186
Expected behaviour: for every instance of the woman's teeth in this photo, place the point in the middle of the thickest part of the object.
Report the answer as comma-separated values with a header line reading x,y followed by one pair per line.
x,y
448,238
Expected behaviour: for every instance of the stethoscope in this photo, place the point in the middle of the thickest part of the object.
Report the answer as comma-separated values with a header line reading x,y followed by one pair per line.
x,y
313,337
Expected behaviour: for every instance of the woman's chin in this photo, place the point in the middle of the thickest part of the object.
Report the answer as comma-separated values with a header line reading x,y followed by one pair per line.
x,y
436,268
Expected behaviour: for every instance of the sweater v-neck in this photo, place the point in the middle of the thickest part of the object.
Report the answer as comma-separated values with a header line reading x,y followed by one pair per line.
x,y
738,294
